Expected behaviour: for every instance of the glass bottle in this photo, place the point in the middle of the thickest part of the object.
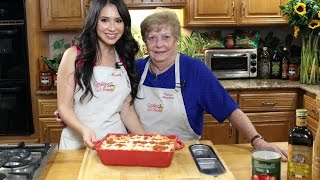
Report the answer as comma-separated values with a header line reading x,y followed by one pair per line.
x,y
300,148
276,66
285,64
264,64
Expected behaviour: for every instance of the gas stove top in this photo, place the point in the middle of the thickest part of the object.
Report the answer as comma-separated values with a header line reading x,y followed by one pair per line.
x,y
24,161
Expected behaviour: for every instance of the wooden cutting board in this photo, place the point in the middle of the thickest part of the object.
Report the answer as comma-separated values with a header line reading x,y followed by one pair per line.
x,y
182,167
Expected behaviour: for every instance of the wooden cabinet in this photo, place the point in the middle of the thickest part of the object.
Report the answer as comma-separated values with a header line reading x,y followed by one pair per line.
x,y
309,103
70,14
50,130
272,113
63,14
219,133
204,13
154,3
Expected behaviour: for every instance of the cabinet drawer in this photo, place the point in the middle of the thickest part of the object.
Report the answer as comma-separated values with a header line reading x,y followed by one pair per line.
x,y
262,102
310,104
273,126
47,107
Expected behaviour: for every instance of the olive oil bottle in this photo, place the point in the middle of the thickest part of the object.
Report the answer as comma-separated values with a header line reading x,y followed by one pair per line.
x,y
300,148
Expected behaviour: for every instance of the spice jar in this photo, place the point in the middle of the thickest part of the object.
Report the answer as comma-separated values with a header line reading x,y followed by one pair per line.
x,y
229,41
293,72
45,80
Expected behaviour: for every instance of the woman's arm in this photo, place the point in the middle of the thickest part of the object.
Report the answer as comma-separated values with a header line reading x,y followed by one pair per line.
x,y
244,125
130,117
65,93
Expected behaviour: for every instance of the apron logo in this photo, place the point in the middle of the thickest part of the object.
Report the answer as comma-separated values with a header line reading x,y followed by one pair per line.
x,y
104,86
166,95
154,107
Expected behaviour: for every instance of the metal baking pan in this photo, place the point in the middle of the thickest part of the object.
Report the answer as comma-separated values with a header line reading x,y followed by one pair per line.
x,y
206,159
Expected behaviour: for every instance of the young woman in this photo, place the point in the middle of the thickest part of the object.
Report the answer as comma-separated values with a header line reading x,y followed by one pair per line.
x,y
97,80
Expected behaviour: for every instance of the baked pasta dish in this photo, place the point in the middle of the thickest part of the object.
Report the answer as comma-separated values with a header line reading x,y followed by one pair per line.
x,y
158,143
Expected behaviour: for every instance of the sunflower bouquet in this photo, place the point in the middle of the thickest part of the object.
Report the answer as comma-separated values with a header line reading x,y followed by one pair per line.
x,y
304,16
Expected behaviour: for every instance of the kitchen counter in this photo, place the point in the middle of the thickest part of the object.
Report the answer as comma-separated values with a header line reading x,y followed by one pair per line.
x,y
66,164
247,84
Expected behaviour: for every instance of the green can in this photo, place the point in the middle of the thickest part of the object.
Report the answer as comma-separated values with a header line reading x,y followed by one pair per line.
x,y
266,165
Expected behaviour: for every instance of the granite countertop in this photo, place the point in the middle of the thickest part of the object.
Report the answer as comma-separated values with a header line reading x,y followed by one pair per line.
x,y
259,84
245,84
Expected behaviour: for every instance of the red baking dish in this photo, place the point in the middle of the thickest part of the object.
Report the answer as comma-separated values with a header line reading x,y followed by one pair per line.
x,y
137,157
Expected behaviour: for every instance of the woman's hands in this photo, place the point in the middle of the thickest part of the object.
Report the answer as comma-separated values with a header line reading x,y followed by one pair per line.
x,y
58,119
260,144
88,135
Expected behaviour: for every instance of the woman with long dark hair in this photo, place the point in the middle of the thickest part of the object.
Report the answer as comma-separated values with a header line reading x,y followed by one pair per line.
x,y
97,80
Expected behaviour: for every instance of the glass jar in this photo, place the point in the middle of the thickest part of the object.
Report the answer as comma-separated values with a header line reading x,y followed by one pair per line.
x,y
45,80
229,41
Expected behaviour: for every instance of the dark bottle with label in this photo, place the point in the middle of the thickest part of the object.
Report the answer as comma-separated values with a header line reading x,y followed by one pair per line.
x,y
264,64
300,148
285,64
276,66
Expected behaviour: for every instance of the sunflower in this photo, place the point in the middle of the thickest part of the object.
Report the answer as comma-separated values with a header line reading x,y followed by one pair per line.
x,y
314,24
300,8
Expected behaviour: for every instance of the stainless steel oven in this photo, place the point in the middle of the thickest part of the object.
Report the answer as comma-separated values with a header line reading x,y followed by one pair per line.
x,y
232,63
15,98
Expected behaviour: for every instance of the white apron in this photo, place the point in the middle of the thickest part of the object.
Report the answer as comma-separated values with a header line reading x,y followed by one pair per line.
x,y
162,110
110,86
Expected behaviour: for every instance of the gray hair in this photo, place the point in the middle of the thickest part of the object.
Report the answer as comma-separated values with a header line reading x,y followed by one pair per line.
x,y
158,20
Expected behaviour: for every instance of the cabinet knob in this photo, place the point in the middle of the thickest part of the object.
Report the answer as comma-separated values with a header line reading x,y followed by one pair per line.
x,y
230,130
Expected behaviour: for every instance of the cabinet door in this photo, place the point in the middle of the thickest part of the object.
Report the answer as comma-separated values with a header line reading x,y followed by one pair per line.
x,y
210,12
50,130
154,3
312,124
62,14
218,133
261,12
273,126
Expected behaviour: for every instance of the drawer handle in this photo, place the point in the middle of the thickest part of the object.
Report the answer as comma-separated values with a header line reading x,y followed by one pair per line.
x,y
232,4
269,103
230,130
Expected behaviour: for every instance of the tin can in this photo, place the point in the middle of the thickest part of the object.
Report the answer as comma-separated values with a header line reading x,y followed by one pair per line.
x,y
266,165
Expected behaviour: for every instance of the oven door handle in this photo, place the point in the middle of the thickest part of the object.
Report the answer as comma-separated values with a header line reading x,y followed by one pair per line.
x,y
8,32
229,55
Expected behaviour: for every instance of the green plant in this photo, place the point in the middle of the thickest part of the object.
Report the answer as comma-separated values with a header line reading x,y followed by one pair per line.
x,y
191,45
59,46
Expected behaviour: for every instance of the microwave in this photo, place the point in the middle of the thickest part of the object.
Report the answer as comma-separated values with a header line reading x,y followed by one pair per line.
x,y
232,63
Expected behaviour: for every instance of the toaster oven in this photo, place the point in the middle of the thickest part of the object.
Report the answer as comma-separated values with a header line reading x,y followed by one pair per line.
x,y
232,63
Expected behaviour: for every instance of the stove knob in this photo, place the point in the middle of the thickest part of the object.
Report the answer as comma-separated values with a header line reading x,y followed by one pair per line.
x,y
253,56
253,69
253,62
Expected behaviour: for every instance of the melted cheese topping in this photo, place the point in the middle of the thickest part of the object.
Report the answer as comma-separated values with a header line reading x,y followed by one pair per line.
x,y
139,143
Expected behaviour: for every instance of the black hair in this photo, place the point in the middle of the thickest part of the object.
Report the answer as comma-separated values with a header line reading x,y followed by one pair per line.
x,y
87,41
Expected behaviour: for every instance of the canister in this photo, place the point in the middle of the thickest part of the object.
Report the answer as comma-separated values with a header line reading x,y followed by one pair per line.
x,y
266,165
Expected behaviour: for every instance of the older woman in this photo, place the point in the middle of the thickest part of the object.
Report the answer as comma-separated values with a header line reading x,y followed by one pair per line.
x,y
175,90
